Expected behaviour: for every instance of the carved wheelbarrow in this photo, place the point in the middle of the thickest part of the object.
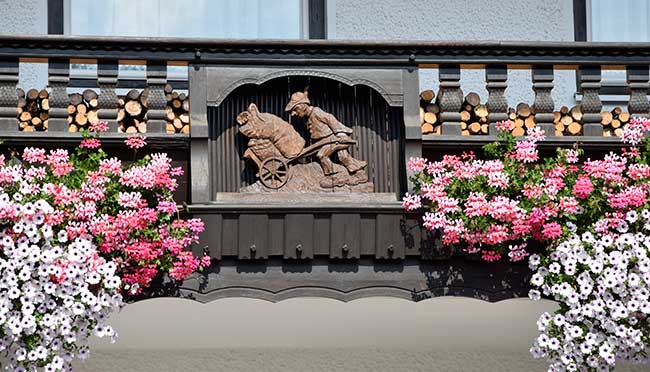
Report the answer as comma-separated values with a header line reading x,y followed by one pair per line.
x,y
274,171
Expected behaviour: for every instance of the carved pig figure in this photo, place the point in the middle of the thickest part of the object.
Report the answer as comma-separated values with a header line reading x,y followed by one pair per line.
x,y
269,135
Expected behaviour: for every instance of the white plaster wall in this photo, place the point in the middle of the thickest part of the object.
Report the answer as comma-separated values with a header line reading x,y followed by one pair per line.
x,y
534,20
26,17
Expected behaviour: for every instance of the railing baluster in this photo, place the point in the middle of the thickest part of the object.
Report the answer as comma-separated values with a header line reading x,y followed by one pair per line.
x,y
590,77
58,79
637,83
544,105
107,71
412,128
496,79
156,102
8,97
450,99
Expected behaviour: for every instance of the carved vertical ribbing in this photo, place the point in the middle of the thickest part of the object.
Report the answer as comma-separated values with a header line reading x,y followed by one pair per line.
x,y
156,80
450,99
637,83
58,79
107,71
544,105
496,77
591,105
8,97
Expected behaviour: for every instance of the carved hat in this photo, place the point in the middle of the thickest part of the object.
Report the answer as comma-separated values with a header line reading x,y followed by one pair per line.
x,y
297,98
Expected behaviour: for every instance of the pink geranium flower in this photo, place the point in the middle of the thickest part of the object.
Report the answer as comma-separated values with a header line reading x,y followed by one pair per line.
x,y
99,126
505,125
416,164
583,187
34,155
90,143
136,142
411,202
526,151
491,256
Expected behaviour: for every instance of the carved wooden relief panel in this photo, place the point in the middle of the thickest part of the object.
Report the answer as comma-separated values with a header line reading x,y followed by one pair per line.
x,y
371,147
281,156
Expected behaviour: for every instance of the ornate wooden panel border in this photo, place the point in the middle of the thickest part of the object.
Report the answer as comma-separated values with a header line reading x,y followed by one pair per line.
x,y
411,279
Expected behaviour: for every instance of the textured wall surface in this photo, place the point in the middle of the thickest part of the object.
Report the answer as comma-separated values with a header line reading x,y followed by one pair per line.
x,y
26,17
464,20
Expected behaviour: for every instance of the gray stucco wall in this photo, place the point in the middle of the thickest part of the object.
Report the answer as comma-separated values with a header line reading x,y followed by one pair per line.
x,y
26,17
534,20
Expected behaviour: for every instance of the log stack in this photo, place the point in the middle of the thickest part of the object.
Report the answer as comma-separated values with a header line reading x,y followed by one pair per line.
x,y
32,109
568,122
474,116
523,118
614,122
131,113
429,112
82,110
178,111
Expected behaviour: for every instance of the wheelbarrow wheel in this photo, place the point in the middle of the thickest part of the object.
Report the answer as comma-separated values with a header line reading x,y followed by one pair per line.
x,y
274,172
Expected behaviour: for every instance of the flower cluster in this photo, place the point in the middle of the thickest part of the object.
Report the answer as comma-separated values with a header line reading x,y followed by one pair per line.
x,y
55,291
593,218
490,205
128,210
603,284
77,232
493,206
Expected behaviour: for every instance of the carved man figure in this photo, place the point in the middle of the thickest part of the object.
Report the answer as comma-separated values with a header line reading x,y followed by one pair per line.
x,y
324,125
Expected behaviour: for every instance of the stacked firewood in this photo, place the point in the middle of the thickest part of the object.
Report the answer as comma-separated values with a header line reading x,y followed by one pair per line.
x,y
474,116
568,122
33,110
429,111
82,110
132,110
178,111
523,118
614,122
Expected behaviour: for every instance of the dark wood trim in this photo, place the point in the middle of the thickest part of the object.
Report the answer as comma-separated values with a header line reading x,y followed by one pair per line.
x,y
55,17
580,20
326,52
317,19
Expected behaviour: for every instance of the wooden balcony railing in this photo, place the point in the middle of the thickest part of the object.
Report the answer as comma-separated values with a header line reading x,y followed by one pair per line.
x,y
374,87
